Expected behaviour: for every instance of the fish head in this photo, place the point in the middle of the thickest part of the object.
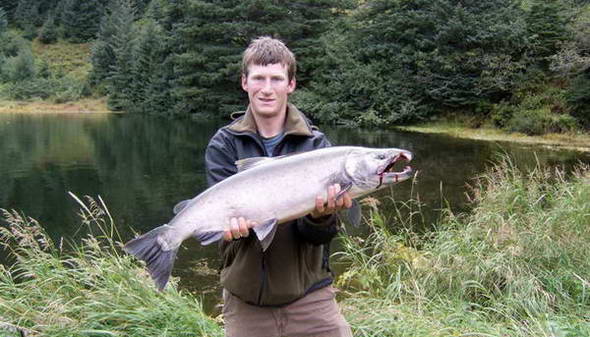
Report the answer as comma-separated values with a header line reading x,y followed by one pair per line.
x,y
372,169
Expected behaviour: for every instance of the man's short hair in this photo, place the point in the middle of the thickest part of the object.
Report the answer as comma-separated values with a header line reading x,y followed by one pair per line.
x,y
266,50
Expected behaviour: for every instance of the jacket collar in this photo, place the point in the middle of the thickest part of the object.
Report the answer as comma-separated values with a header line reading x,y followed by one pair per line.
x,y
295,124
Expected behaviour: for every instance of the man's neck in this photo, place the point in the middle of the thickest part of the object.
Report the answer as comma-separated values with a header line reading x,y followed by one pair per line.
x,y
270,127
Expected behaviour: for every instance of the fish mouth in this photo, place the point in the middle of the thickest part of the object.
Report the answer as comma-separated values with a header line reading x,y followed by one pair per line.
x,y
388,174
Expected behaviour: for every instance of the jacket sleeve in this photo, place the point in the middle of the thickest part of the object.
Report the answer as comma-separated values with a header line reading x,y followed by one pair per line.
x,y
323,230
219,160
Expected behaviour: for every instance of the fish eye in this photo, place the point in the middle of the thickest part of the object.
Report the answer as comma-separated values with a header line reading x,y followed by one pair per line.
x,y
380,156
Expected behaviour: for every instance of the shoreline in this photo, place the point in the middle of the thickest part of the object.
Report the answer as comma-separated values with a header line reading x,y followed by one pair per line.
x,y
87,105
576,142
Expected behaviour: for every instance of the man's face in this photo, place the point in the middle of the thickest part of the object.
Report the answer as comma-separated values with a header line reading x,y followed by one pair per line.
x,y
268,88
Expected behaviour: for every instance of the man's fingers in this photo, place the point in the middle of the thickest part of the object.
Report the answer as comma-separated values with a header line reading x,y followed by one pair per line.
x,y
319,204
234,227
347,199
244,227
331,195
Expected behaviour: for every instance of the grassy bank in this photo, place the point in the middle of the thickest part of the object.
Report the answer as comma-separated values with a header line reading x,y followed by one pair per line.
x,y
517,265
94,291
573,141
86,105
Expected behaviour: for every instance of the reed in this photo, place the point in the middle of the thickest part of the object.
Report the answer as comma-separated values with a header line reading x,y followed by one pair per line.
x,y
91,290
517,265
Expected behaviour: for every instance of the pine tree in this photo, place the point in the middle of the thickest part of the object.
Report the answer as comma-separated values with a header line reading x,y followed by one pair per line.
x,y
48,33
395,61
26,14
81,19
152,72
3,21
215,33
546,25
118,35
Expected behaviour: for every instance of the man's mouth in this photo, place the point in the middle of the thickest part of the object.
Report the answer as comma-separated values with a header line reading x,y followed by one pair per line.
x,y
266,100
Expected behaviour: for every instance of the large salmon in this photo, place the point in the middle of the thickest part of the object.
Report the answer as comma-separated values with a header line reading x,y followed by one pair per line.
x,y
269,191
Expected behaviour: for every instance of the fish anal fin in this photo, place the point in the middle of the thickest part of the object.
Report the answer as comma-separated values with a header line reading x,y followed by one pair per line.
x,y
208,237
354,213
266,232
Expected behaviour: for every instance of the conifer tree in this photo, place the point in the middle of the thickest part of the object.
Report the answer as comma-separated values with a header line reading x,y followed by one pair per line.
x,y
546,25
48,33
80,19
3,21
214,34
151,72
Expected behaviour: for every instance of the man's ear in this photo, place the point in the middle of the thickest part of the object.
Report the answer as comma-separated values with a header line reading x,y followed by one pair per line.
x,y
292,84
244,80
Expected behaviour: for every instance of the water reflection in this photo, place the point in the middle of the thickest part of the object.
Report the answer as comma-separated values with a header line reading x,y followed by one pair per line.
x,y
142,166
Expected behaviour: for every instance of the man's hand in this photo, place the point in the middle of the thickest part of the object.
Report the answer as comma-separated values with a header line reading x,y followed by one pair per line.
x,y
333,205
238,228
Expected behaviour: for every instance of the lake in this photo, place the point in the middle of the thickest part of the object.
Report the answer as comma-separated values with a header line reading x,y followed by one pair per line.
x,y
143,166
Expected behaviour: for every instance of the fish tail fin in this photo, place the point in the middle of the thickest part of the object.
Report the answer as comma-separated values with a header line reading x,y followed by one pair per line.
x,y
159,261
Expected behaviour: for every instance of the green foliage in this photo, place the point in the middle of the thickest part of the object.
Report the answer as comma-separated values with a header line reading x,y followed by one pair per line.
x,y
579,97
90,290
213,34
3,21
397,61
546,25
19,68
518,256
48,33
81,18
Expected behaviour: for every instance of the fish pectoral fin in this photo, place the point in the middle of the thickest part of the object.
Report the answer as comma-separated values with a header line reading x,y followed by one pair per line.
x,y
354,213
345,187
266,232
180,206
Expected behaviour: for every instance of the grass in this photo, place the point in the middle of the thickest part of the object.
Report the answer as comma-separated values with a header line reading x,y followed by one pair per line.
x,y
574,141
93,291
65,57
516,265
84,105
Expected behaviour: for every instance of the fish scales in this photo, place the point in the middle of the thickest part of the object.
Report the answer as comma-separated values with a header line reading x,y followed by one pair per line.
x,y
274,191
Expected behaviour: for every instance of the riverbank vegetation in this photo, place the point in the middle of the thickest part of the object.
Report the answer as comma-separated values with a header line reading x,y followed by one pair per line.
x,y
517,65
516,265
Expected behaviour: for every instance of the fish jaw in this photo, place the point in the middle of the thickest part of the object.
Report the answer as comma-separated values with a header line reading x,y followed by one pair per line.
x,y
386,173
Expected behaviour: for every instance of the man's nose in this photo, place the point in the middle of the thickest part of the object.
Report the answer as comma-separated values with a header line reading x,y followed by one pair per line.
x,y
267,87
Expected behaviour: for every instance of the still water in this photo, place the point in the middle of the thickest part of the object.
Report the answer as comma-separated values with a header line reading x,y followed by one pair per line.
x,y
141,167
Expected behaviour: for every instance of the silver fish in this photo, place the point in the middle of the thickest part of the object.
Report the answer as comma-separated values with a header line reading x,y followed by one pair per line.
x,y
269,191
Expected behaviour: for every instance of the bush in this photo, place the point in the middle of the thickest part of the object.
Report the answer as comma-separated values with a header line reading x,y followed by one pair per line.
x,y
540,121
19,68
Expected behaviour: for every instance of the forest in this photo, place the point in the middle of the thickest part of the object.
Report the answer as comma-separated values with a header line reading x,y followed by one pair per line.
x,y
519,65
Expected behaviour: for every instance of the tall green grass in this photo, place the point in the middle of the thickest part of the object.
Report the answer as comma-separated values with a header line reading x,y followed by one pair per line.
x,y
94,290
517,265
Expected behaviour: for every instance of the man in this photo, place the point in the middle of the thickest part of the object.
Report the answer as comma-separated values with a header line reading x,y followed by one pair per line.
x,y
285,290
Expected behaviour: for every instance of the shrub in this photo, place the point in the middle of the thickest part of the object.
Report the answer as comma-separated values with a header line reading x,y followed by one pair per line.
x,y
19,68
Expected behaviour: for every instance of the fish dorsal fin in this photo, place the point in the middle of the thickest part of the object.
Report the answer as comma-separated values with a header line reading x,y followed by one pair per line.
x,y
180,206
248,163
